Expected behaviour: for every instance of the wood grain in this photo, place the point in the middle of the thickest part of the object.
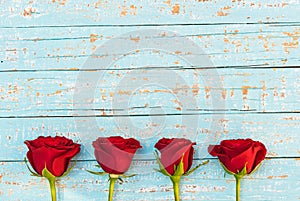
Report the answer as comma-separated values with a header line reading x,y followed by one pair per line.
x,y
276,180
228,46
94,12
250,90
279,132
53,93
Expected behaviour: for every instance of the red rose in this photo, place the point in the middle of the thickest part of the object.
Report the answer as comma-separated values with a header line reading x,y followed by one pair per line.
x,y
172,151
114,154
54,153
235,154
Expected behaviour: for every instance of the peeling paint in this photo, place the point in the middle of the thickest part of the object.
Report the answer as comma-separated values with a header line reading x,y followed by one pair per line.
x,y
245,90
52,52
93,37
123,11
224,93
135,39
28,12
279,177
175,9
62,2
133,10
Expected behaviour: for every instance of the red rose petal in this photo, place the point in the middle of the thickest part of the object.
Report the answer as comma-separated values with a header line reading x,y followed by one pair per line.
x,y
61,163
114,154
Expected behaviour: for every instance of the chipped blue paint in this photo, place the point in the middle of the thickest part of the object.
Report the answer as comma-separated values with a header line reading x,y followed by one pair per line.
x,y
254,46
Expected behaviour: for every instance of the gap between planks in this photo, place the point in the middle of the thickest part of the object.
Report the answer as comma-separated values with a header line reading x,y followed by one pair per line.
x,y
157,25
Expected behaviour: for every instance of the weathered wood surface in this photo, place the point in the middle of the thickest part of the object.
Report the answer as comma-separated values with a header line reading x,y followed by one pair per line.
x,y
254,50
276,180
228,45
268,128
93,12
52,93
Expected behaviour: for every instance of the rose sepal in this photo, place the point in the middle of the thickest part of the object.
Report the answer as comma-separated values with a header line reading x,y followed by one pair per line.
x,y
47,174
51,178
242,173
112,179
179,169
256,168
195,168
111,176
161,167
96,173
120,177
226,170
30,170
239,174
33,173
68,170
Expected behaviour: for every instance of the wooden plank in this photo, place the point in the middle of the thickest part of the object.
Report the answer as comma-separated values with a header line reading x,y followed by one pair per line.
x,y
94,12
117,92
279,132
254,48
68,48
275,180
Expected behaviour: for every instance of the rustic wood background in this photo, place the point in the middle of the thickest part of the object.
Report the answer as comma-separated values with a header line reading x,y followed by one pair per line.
x,y
254,46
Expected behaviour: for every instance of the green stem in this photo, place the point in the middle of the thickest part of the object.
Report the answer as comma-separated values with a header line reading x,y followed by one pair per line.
x,y
52,189
237,187
175,180
111,188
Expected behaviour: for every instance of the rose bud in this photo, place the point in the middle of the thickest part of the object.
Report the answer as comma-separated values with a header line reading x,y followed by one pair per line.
x,y
114,154
239,157
53,153
176,158
172,151
50,158
240,153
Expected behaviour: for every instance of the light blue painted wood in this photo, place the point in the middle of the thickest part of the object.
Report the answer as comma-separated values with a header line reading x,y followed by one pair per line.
x,y
52,93
254,44
278,131
228,46
276,180
70,13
